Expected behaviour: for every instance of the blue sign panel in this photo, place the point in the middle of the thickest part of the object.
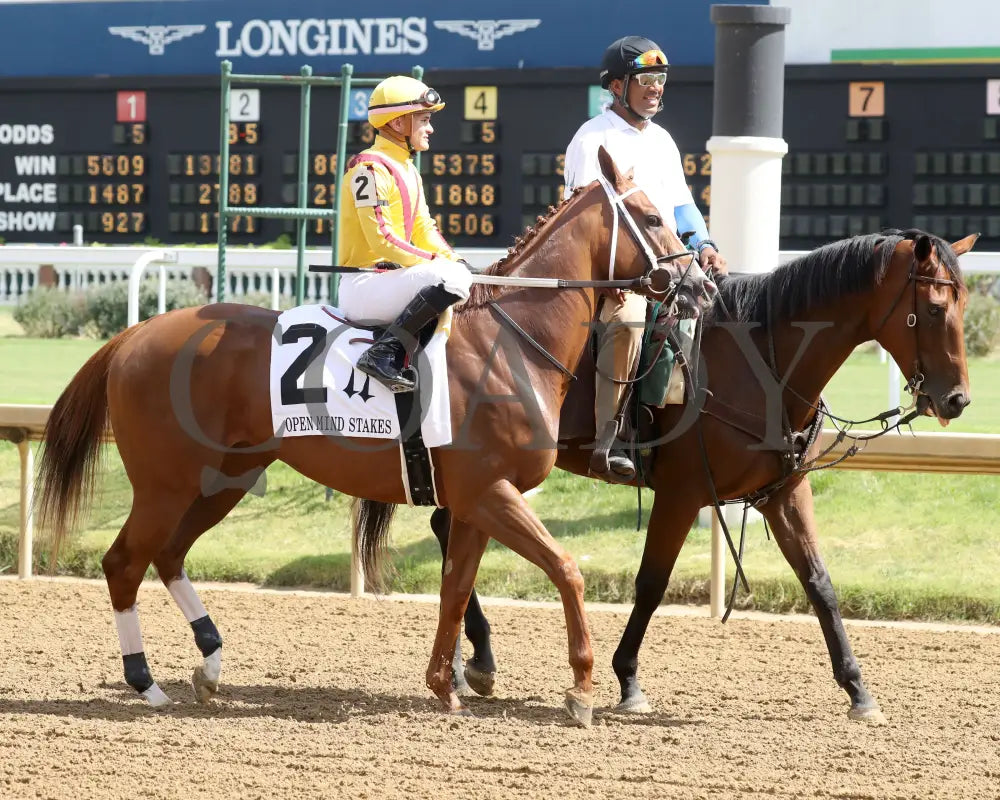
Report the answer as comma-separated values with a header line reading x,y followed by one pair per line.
x,y
357,111
260,36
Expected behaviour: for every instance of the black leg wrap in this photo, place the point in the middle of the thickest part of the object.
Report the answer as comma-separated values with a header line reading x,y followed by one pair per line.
x,y
206,635
137,674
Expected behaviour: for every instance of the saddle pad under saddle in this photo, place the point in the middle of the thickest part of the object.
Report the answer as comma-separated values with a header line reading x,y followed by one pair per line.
x,y
315,390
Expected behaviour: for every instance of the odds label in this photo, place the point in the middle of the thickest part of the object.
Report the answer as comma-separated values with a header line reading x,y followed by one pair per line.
x,y
357,107
866,99
480,102
993,96
130,107
244,105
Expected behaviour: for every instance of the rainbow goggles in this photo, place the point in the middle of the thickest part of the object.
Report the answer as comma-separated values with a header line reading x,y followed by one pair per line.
x,y
651,58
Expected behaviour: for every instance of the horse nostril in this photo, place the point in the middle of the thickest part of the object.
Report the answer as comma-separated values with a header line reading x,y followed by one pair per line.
x,y
957,401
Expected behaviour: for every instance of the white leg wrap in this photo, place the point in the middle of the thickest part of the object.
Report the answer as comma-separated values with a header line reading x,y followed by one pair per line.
x,y
129,634
186,598
155,697
213,666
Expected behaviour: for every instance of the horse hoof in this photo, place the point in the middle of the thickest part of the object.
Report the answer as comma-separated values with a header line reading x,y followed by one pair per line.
x,y
156,697
204,688
580,707
461,711
480,681
871,714
636,704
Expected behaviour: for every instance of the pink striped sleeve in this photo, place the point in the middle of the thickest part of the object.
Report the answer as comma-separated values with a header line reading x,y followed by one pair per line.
x,y
385,229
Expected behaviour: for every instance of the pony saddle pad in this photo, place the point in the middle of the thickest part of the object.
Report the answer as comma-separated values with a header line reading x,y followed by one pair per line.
x,y
316,391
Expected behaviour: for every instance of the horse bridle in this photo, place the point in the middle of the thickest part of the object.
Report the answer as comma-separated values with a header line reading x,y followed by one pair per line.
x,y
915,381
618,208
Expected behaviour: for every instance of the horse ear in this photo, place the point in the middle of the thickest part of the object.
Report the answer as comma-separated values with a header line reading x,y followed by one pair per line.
x,y
922,248
965,245
630,175
608,168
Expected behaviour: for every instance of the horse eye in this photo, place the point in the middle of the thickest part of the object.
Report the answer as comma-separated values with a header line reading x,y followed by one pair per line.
x,y
934,309
653,221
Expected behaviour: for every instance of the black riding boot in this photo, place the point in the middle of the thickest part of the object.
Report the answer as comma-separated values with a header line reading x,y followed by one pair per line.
x,y
379,360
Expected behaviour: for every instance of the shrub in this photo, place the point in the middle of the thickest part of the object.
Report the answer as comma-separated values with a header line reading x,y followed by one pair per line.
x,y
263,300
107,306
50,313
982,325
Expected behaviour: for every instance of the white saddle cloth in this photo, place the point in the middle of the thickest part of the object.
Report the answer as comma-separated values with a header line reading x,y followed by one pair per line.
x,y
315,390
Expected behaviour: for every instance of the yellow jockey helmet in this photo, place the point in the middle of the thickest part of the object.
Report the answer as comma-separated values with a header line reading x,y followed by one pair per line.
x,y
399,95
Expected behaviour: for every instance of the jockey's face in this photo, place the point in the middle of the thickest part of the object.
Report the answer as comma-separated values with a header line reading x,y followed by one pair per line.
x,y
420,134
416,127
644,99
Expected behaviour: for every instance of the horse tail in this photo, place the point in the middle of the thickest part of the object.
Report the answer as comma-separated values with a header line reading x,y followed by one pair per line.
x,y
371,531
70,459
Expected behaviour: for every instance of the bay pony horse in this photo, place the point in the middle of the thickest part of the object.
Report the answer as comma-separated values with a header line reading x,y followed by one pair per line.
x,y
188,391
788,332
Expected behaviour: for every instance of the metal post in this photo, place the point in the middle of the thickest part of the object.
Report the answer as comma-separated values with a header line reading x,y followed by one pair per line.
x,y
346,72
27,510
717,586
746,148
300,239
301,213
894,376
220,274
747,144
357,573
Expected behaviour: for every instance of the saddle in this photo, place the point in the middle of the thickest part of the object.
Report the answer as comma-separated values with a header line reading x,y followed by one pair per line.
x,y
660,382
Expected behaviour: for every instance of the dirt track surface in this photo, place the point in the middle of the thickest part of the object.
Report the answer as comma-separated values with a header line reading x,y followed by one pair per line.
x,y
324,697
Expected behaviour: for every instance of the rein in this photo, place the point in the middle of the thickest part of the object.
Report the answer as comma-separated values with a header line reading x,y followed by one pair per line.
x,y
617,202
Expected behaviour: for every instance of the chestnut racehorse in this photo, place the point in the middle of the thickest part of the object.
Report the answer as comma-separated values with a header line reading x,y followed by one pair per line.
x,y
187,392
903,289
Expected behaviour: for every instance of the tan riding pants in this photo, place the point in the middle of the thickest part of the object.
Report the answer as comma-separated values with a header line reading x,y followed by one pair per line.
x,y
617,352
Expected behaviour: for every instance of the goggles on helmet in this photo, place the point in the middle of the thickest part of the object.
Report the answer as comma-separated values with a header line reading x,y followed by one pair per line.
x,y
651,58
428,99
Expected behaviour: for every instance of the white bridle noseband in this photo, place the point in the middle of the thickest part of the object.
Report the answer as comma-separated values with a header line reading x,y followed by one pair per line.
x,y
618,207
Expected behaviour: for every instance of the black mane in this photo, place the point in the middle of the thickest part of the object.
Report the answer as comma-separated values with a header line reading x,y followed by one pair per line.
x,y
823,276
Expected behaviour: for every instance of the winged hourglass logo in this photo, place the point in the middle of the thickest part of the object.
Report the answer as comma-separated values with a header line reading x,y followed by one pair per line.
x,y
486,31
156,37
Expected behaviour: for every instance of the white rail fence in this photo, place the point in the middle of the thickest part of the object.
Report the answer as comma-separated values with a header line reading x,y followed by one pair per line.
x,y
249,270
979,454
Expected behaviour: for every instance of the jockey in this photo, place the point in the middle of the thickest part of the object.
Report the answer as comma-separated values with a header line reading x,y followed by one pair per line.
x,y
635,70
385,223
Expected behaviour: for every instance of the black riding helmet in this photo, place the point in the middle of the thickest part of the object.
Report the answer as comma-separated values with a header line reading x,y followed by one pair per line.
x,y
623,59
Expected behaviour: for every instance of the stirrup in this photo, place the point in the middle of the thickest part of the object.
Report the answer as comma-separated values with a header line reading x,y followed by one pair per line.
x,y
601,460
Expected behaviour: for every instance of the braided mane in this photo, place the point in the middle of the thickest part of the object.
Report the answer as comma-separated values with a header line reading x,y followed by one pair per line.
x,y
484,293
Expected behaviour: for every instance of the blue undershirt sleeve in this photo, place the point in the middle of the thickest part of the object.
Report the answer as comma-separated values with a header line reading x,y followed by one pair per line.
x,y
689,218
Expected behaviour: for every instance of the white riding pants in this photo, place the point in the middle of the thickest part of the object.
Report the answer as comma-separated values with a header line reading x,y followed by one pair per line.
x,y
380,297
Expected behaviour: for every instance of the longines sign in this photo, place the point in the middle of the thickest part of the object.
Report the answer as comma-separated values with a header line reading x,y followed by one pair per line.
x,y
184,38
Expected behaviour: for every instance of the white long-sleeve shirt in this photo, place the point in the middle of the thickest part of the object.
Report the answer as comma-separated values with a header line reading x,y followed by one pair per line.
x,y
651,152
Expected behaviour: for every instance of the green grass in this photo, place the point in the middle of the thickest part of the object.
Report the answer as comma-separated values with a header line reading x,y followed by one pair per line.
x,y
897,545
